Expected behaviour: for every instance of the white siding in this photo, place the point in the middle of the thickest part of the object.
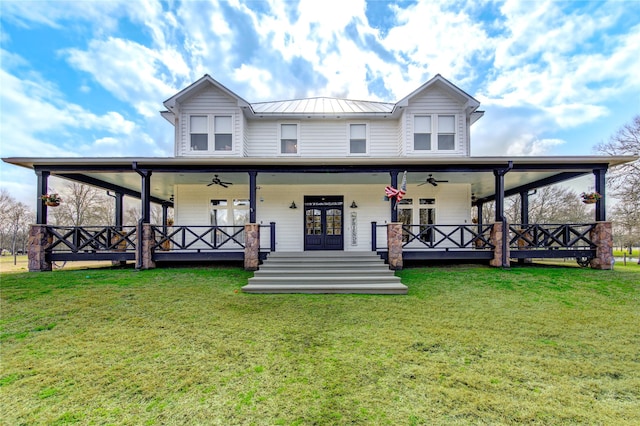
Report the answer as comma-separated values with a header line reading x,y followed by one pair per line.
x,y
384,138
192,208
323,138
262,138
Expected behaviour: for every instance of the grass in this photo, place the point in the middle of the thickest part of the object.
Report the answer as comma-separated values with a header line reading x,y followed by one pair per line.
x,y
467,345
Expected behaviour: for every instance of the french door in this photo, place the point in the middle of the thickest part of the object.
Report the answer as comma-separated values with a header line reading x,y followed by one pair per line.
x,y
323,223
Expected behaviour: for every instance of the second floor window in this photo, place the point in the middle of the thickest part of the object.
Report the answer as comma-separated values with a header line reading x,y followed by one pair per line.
x,y
422,133
446,132
288,139
223,133
357,138
443,129
200,132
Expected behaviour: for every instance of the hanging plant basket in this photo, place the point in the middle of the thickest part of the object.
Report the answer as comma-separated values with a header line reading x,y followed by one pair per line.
x,y
51,200
590,197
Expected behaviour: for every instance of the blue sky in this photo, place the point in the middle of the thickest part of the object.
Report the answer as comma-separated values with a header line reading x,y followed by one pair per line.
x,y
87,78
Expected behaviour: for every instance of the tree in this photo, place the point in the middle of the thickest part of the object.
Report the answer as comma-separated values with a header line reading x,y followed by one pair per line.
x,y
133,214
82,205
624,181
16,218
551,204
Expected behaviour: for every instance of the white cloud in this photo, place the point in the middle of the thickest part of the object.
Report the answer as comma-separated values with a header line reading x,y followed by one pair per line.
x,y
529,144
131,72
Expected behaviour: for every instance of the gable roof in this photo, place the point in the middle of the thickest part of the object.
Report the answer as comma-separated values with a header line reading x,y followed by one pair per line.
x,y
196,86
439,81
319,106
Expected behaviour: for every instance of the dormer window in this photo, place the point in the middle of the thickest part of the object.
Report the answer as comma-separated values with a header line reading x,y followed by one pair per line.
x,y
199,133
289,138
222,132
203,128
446,132
443,127
422,132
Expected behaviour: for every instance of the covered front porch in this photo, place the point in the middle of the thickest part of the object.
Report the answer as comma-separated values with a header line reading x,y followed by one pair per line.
x,y
367,221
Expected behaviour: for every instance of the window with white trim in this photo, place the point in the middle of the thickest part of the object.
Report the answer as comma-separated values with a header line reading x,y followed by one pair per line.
x,y
422,133
357,138
206,128
199,131
446,132
223,132
434,133
289,138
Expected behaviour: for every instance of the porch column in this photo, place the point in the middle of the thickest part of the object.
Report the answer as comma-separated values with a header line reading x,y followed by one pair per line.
x,y
394,245
119,200
41,207
524,220
39,240
479,205
252,196
524,207
145,193
601,213
117,237
251,246
394,184
502,245
602,236
165,216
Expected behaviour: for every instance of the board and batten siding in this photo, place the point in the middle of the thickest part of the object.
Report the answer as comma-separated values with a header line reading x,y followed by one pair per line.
x,y
210,101
435,101
193,207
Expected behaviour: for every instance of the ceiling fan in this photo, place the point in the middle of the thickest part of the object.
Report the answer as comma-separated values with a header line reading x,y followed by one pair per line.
x,y
216,181
432,181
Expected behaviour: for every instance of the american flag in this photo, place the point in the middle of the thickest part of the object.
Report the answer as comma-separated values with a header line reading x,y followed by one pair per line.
x,y
403,188
398,194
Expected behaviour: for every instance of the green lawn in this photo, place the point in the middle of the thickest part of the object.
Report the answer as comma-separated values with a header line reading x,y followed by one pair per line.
x,y
467,345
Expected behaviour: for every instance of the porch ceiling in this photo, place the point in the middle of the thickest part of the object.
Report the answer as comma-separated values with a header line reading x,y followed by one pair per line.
x,y
162,183
111,173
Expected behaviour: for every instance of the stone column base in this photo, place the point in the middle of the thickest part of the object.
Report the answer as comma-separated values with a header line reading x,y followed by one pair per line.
x,y
601,235
251,246
39,240
496,239
394,245
146,239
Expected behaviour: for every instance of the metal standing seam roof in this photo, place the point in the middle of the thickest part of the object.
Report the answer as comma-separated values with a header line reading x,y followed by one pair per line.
x,y
322,105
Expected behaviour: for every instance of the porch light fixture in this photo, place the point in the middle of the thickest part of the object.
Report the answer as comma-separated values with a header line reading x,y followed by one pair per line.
x,y
354,205
293,205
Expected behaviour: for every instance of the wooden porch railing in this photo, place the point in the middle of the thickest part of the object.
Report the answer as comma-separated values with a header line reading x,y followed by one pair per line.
x,y
198,238
445,237
550,236
91,239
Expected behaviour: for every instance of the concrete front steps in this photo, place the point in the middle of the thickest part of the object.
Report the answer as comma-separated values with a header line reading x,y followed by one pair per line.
x,y
324,272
